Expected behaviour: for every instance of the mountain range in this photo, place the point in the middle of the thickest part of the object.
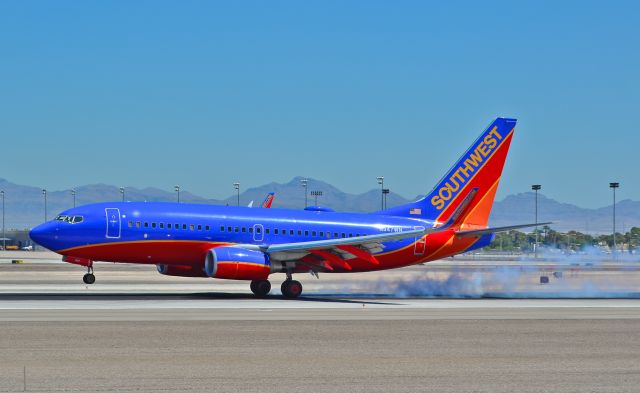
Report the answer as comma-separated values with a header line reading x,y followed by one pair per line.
x,y
25,204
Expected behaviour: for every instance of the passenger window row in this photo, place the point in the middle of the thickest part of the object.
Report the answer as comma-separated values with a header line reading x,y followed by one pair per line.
x,y
289,232
162,225
258,230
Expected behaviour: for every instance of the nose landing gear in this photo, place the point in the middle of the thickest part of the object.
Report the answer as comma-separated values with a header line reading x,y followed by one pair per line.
x,y
89,278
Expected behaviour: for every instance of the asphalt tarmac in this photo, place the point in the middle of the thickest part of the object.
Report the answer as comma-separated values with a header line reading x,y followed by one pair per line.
x,y
137,331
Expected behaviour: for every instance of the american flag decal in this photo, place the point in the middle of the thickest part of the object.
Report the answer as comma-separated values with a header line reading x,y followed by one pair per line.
x,y
416,211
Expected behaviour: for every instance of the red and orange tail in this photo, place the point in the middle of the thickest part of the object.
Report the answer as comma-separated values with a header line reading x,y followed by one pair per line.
x,y
466,192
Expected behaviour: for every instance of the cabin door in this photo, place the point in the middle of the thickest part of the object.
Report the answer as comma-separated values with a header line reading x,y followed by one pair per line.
x,y
113,223
420,244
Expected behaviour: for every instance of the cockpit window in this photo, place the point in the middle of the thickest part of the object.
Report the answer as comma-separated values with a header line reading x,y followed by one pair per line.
x,y
70,219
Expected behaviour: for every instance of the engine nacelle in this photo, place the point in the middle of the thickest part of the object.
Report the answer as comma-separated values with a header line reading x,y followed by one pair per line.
x,y
181,271
235,263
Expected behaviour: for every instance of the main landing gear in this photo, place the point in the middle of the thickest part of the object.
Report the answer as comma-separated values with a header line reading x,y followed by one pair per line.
x,y
291,289
260,288
89,278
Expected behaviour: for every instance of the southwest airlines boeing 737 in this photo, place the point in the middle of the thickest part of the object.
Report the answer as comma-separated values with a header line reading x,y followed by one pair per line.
x,y
241,243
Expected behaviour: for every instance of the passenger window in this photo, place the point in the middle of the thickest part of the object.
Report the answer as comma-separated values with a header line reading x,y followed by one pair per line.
x,y
250,230
146,225
191,227
184,226
228,229
291,232
321,234
244,229
199,227
299,232
206,228
130,224
235,229
275,231
328,235
350,235
266,231
258,230
335,234
176,226
343,235
313,233
222,228
137,224
153,225
306,233
169,226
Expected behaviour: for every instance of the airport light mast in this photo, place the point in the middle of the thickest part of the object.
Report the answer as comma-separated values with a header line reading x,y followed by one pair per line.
x,y
44,194
305,183
385,192
73,194
122,193
236,186
177,188
4,241
316,194
536,188
381,182
613,186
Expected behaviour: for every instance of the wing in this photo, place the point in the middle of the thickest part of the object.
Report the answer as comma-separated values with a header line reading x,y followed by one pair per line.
x,y
331,253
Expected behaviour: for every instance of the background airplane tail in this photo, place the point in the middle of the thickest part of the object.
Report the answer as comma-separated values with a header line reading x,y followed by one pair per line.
x,y
464,196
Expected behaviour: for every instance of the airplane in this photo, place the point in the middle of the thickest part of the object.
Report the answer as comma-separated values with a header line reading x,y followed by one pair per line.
x,y
241,243
268,200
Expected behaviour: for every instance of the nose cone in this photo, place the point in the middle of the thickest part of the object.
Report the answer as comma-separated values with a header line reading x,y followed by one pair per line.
x,y
44,234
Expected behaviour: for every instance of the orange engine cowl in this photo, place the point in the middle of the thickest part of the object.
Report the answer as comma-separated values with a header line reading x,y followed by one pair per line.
x,y
237,264
181,270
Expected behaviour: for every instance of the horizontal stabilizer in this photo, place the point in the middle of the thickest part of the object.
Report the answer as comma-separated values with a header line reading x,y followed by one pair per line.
x,y
480,232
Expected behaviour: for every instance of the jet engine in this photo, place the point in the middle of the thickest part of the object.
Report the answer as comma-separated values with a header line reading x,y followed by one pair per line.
x,y
181,270
235,263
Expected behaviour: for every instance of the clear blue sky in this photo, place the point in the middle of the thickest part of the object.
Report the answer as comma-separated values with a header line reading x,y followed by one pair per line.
x,y
201,94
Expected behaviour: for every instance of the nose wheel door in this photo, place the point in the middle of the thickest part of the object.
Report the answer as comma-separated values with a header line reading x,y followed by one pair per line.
x,y
114,224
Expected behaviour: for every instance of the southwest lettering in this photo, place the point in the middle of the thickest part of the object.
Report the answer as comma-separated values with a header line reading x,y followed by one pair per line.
x,y
467,169
450,187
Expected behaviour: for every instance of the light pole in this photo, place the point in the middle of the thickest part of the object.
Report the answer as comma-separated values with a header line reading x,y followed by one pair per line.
x,y
44,194
536,188
122,193
316,194
385,192
613,186
73,194
4,245
177,189
236,186
304,183
381,182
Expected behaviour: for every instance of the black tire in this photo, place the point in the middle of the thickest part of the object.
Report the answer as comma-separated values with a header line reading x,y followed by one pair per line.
x,y
291,289
260,288
89,278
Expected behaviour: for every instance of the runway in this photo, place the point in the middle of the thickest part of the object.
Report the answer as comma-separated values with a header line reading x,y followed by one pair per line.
x,y
135,330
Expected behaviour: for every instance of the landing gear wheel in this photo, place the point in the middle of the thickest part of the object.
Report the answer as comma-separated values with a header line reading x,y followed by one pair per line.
x,y
260,288
291,289
89,278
